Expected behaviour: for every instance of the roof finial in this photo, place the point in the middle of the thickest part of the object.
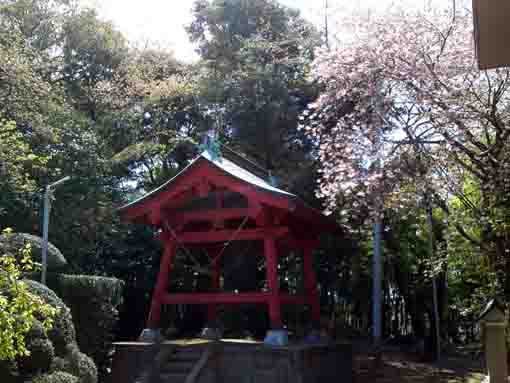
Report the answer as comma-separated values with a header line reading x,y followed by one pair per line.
x,y
211,145
272,179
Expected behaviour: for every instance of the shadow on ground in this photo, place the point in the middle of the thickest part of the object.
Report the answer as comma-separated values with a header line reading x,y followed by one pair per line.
x,y
400,367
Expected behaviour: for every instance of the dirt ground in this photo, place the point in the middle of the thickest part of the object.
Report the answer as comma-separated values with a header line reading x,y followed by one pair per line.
x,y
400,367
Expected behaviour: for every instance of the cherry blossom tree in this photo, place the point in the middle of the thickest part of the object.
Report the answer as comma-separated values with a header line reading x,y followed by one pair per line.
x,y
404,111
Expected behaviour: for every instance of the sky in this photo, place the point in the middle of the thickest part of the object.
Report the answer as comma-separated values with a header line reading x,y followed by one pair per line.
x,y
161,22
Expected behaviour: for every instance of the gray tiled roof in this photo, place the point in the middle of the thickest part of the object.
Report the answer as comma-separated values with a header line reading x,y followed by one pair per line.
x,y
227,166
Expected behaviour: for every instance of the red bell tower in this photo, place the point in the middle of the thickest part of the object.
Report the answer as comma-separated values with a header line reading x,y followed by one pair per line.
x,y
215,201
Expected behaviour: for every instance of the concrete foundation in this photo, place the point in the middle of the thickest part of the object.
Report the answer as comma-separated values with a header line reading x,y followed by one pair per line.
x,y
234,361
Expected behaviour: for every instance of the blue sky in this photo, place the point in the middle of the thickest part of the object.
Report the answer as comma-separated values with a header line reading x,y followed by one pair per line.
x,y
160,22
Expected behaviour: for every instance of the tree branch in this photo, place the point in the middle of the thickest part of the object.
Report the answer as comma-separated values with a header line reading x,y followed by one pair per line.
x,y
442,204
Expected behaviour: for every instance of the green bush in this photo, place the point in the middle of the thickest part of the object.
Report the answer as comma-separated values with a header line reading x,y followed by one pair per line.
x,y
77,364
45,364
13,242
93,302
8,371
40,358
62,332
59,364
55,377
36,331
19,308
81,365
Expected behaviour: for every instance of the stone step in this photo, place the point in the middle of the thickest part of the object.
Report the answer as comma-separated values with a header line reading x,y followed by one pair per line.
x,y
173,377
178,366
183,356
189,350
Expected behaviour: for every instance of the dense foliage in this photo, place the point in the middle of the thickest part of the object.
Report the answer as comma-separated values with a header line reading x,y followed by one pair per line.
x,y
62,332
50,352
75,102
406,121
11,242
19,308
391,122
56,377
94,303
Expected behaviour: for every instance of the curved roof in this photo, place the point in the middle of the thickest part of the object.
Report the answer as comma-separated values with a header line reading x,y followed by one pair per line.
x,y
234,170
224,164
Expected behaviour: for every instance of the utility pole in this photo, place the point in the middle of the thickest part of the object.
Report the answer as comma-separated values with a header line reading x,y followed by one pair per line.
x,y
430,224
46,223
377,233
377,283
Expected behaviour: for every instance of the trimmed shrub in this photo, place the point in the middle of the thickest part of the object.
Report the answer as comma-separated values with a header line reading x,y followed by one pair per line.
x,y
77,364
59,364
40,358
13,242
93,302
9,371
68,365
36,331
81,365
62,332
55,377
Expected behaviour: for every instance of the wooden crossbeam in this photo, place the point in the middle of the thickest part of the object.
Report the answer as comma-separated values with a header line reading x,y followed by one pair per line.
x,y
227,235
227,298
182,218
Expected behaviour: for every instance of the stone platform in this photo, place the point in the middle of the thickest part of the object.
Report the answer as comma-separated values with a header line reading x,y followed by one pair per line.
x,y
231,361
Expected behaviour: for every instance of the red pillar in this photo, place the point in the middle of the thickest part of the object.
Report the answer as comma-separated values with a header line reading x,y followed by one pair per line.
x,y
161,284
215,284
271,256
311,285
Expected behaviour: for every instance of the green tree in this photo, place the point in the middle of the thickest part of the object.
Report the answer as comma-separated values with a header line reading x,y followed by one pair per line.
x,y
256,54
92,51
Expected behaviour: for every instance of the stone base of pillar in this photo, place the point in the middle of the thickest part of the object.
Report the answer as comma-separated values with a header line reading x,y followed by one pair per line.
x,y
150,335
316,337
277,338
211,333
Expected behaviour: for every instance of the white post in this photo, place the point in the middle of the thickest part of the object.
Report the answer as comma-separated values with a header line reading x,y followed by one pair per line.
x,y
46,222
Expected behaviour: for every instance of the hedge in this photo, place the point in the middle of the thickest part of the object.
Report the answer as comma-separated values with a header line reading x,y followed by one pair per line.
x,y
40,358
55,377
62,332
54,356
80,365
94,303
9,371
11,243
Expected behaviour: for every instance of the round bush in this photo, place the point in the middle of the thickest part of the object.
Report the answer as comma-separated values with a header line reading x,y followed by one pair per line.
x,y
80,365
8,371
40,358
59,364
55,377
36,332
11,243
54,354
62,332
93,302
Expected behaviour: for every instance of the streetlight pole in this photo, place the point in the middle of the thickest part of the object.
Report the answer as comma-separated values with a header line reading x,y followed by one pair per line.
x,y
377,283
46,223
377,262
